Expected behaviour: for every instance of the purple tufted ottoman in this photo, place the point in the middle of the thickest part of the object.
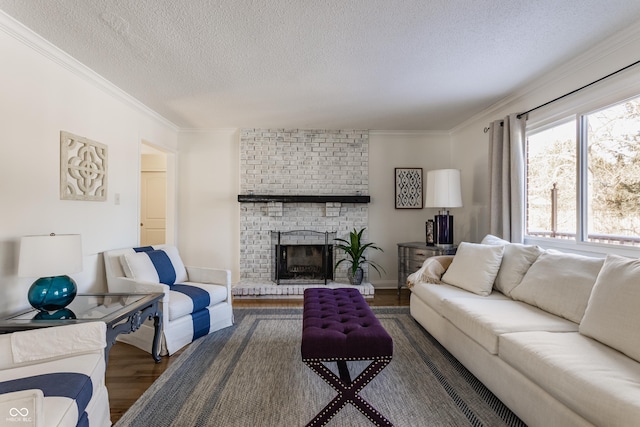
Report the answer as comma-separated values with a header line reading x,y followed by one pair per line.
x,y
338,326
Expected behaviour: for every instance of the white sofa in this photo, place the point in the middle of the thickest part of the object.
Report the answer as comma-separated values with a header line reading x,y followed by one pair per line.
x,y
185,317
553,335
54,377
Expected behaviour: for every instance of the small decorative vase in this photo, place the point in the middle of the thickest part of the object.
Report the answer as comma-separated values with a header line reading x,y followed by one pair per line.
x,y
355,279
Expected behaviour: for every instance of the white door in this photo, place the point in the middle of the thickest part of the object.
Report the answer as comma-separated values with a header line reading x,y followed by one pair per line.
x,y
153,208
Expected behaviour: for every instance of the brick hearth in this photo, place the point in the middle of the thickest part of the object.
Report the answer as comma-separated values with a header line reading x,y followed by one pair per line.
x,y
271,290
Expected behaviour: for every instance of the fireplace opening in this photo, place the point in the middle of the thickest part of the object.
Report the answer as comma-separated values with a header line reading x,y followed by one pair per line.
x,y
304,262
302,256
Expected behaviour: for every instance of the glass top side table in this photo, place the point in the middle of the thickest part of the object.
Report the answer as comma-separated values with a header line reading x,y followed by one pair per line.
x,y
123,314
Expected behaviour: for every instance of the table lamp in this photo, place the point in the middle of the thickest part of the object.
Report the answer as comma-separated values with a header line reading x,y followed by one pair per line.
x,y
51,258
443,191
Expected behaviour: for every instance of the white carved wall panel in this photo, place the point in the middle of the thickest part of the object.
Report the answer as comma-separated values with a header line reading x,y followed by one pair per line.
x,y
83,168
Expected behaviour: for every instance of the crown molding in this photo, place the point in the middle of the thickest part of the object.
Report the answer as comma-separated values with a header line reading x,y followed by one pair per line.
x,y
45,48
597,53
410,132
211,130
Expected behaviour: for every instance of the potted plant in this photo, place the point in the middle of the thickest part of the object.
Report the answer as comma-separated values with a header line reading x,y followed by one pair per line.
x,y
354,251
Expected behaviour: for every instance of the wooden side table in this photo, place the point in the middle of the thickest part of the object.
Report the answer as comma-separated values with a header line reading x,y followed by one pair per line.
x,y
411,256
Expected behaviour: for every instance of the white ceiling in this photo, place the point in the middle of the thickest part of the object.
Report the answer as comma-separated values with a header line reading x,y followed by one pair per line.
x,y
336,64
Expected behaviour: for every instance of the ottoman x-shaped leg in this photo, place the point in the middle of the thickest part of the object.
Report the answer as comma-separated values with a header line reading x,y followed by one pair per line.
x,y
348,390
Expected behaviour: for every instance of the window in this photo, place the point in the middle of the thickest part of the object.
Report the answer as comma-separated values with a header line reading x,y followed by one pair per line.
x,y
551,181
583,177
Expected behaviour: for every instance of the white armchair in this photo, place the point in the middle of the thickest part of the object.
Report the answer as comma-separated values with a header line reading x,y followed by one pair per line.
x,y
54,377
196,302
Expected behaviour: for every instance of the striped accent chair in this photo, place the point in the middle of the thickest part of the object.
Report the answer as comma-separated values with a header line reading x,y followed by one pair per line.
x,y
54,377
196,302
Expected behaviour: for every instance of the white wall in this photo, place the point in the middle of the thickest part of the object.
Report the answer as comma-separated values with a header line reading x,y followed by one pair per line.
x,y
208,208
389,226
41,97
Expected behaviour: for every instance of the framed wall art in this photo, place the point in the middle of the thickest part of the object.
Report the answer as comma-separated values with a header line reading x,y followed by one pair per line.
x,y
83,168
409,189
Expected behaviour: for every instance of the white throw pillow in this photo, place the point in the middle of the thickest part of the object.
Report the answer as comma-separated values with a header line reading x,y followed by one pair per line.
x,y
139,266
612,316
516,260
176,261
474,267
490,239
559,283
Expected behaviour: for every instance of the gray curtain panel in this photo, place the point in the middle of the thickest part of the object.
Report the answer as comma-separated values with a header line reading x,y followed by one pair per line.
x,y
506,169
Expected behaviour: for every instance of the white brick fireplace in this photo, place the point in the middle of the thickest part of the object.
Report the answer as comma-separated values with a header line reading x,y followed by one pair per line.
x,y
297,162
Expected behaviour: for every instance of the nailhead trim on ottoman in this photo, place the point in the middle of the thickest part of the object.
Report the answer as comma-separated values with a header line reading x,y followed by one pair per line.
x,y
339,326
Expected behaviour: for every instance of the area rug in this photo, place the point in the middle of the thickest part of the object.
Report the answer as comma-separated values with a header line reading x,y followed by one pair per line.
x,y
251,375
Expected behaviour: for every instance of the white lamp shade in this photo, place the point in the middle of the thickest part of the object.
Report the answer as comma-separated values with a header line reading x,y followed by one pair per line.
x,y
48,256
443,189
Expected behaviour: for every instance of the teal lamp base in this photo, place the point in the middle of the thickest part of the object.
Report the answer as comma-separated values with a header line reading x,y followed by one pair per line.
x,y
64,313
52,293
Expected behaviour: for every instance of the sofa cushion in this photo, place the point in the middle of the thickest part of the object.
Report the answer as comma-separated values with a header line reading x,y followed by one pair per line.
x,y
90,367
484,320
76,387
516,260
559,283
613,315
156,266
597,382
474,267
17,406
434,295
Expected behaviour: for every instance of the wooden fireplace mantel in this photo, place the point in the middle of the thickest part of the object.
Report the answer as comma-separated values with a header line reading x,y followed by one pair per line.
x,y
257,198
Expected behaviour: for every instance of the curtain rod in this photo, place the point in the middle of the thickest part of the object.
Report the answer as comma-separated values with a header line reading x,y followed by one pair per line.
x,y
579,89
486,129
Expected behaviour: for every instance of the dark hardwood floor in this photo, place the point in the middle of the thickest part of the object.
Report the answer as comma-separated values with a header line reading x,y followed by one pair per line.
x,y
131,371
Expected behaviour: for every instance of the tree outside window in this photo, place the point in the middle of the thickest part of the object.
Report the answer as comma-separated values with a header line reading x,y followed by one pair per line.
x,y
611,183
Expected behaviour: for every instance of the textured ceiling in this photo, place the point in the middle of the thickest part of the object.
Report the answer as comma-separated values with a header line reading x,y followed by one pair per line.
x,y
340,64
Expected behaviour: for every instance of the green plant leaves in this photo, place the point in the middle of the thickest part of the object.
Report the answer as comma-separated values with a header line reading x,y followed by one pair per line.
x,y
354,251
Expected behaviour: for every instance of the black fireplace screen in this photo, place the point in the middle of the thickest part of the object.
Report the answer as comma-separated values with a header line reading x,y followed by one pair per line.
x,y
302,256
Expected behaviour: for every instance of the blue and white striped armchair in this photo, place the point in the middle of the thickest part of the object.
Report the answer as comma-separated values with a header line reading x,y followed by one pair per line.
x,y
54,377
196,302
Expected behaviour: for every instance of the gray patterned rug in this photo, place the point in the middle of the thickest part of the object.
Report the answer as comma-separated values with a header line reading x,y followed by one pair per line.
x,y
251,375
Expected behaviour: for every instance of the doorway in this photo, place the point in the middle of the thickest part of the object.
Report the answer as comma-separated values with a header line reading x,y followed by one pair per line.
x,y
153,196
